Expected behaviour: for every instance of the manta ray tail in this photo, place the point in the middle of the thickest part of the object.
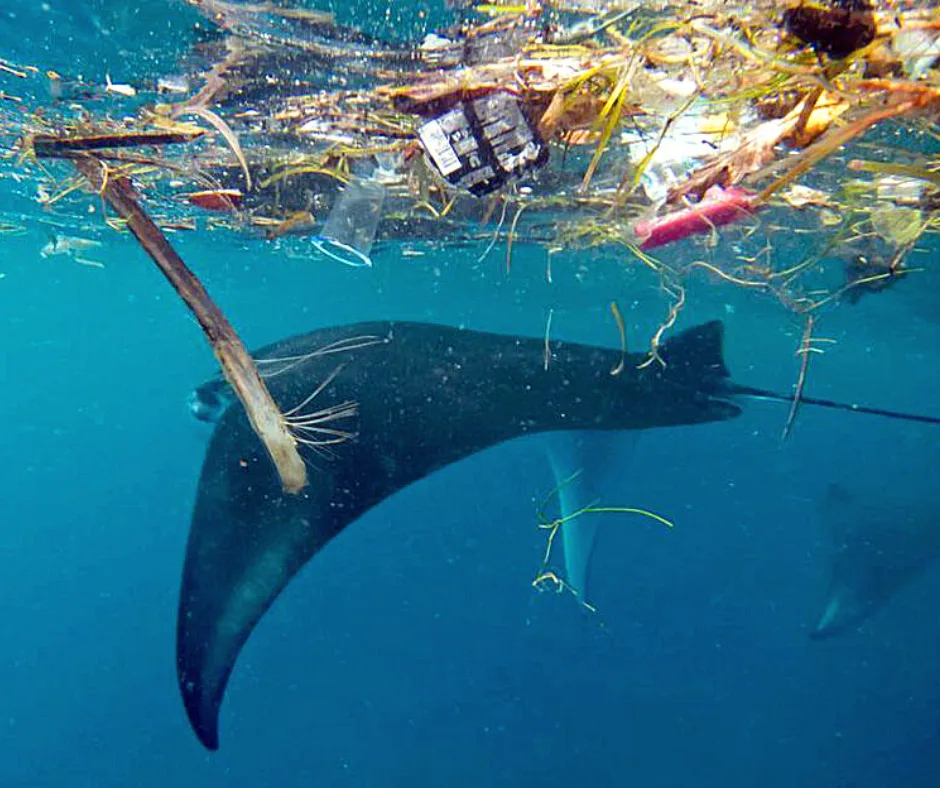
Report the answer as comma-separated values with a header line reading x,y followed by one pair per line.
x,y
773,396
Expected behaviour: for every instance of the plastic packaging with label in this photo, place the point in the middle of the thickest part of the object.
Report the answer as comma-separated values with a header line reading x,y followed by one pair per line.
x,y
479,145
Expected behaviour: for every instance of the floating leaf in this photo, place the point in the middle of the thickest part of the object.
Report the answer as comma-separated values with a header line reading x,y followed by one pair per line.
x,y
897,225
799,196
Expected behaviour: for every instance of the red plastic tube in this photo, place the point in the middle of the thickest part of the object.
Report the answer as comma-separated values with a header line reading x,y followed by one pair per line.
x,y
717,207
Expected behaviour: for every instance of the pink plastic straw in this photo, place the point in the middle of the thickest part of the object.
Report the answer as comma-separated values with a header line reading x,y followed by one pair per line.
x,y
717,207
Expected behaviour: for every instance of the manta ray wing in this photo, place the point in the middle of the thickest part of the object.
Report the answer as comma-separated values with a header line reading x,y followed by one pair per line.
x,y
589,455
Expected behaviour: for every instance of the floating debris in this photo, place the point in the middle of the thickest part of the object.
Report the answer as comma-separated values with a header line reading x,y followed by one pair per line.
x,y
834,27
67,245
216,199
120,90
717,208
571,125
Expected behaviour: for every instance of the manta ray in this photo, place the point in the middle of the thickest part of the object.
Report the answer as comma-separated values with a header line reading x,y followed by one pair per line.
x,y
878,548
378,406
417,397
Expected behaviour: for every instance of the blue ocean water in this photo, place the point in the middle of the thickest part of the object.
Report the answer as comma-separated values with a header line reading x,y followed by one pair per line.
x,y
414,649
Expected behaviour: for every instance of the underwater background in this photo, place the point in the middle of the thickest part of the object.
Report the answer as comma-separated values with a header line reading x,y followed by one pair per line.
x,y
414,650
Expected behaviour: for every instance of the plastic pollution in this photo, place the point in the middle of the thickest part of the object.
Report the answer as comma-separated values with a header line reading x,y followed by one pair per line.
x,y
349,230
919,50
691,139
717,207
481,144
899,190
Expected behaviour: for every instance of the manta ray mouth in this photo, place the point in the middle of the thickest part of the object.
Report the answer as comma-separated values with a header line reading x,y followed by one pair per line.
x,y
209,401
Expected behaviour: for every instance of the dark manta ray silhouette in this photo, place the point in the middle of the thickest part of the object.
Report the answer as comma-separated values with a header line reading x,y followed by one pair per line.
x,y
426,396
878,547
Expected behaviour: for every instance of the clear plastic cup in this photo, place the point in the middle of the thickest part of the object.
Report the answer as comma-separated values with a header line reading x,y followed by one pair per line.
x,y
349,231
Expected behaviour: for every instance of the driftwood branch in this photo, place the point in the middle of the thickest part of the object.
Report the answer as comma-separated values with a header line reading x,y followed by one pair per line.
x,y
52,146
237,365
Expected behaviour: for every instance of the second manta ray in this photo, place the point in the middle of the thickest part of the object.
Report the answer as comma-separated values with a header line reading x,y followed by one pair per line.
x,y
376,407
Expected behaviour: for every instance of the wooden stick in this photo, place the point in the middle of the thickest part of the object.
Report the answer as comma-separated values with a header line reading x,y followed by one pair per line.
x,y
47,146
805,349
237,365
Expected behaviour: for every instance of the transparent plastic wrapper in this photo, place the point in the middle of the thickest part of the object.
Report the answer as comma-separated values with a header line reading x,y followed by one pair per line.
x,y
349,230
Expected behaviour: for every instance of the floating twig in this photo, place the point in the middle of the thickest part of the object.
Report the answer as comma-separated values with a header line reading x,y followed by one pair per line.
x,y
496,232
512,236
48,146
668,323
622,329
806,347
241,373
227,134
836,138
547,350
554,526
